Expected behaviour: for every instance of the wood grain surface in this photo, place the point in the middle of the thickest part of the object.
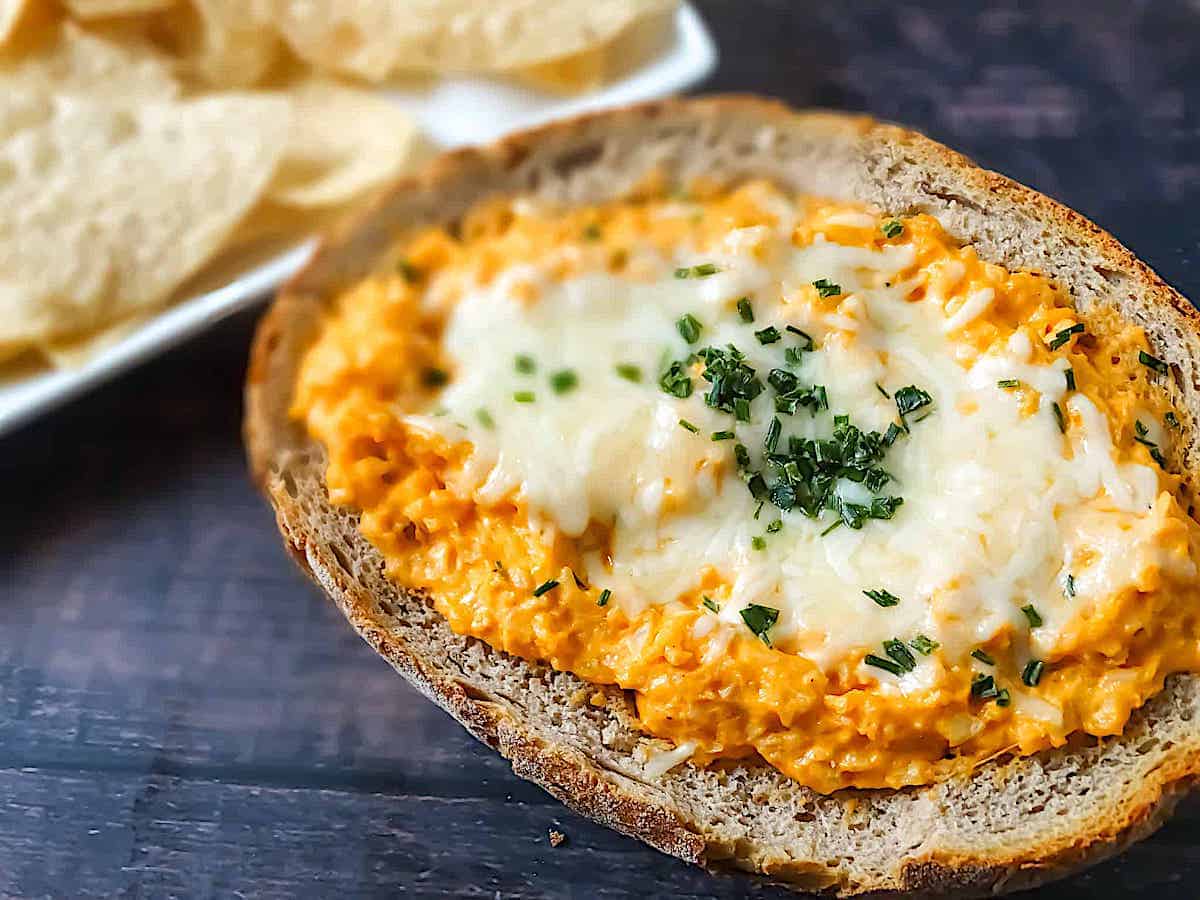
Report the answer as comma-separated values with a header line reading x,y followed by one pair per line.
x,y
181,714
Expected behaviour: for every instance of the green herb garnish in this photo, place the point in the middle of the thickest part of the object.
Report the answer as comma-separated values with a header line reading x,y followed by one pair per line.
x,y
689,328
1070,376
710,603
983,657
1152,362
1171,420
700,271
760,619
1008,383
485,418
745,310
924,645
722,435
523,396
879,387
883,598
758,542
768,335
629,372
563,381
809,343
604,597
688,426
1059,417
892,229
1032,673
676,381
775,526
544,588
1065,335
1069,587
827,288
983,687
911,398
1034,617
524,364
771,441
880,663
434,377
900,654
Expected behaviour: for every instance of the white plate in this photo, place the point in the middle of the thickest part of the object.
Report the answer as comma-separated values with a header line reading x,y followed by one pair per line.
x,y
453,112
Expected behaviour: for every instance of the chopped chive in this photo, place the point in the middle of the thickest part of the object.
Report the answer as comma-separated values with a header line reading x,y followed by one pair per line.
x,y
1140,428
700,271
983,687
563,381
629,372
1157,456
879,387
1003,697
892,229
1070,375
758,542
883,598
771,441
1171,420
603,599
524,364
1069,587
1065,335
923,645
741,409
911,398
1059,418
1008,383
688,426
723,435
1034,617
880,663
523,396
768,335
485,418
745,310
1032,673
710,603
676,381
579,582
809,343
689,328
545,587
898,652
983,657
758,509
793,356
837,523
775,526
827,288
432,377
1152,362
760,619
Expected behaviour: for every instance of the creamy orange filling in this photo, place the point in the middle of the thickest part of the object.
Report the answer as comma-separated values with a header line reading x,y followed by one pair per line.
x,y
378,356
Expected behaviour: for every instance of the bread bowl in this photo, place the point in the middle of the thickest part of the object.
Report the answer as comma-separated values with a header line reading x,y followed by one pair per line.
x,y
1005,820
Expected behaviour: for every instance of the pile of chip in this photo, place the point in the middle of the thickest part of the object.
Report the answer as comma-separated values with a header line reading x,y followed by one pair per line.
x,y
140,140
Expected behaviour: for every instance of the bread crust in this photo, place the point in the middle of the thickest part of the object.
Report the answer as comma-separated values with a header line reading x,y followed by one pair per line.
x,y
1009,825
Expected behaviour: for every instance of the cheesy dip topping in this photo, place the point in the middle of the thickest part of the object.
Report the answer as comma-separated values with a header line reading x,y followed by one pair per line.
x,y
815,482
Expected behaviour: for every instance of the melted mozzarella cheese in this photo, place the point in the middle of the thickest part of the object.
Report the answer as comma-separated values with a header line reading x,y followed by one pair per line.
x,y
984,480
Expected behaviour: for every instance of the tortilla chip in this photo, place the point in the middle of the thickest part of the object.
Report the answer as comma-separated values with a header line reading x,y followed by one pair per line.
x,y
104,209
373,38
221,43
344,142
77,62
99,9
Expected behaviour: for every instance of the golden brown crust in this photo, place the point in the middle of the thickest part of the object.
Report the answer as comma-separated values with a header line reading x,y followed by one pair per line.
x,y
573,777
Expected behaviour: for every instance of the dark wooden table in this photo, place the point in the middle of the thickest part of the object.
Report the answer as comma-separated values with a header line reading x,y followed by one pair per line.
x,y
181,714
